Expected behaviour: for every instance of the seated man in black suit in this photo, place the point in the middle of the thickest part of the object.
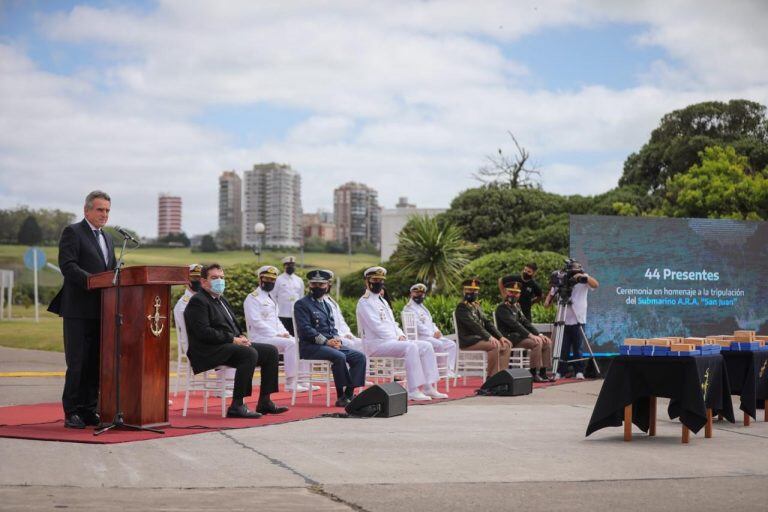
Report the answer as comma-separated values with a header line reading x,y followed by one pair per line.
x,y
216,339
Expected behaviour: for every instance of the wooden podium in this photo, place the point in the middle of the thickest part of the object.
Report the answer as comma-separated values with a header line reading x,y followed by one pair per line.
x,y
145,294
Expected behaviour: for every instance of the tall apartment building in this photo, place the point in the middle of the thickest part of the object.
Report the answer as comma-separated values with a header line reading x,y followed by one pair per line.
x,y
357,214
168,215
272,197
319,225
393,220
230,205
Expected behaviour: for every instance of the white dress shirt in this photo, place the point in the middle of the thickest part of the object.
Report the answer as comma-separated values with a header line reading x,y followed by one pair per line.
x,y
288,289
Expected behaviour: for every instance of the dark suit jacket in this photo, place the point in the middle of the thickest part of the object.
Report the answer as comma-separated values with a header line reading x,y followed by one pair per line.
x,y
209,332
472,325
314,321
79,257
512,322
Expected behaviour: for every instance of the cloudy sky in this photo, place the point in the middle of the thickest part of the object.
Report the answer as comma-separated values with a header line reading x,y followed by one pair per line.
x,y
139,98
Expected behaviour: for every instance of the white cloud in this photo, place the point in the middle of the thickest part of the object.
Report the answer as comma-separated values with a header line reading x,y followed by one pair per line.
x,y
405,96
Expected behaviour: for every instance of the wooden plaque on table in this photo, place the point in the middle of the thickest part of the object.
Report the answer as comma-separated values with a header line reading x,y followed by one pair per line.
x,y
145,294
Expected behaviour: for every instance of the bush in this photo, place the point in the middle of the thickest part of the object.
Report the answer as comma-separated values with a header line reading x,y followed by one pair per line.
x,y
24,294
491,267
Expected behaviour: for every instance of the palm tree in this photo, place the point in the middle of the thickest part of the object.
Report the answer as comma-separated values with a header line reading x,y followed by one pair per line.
x,y
435,254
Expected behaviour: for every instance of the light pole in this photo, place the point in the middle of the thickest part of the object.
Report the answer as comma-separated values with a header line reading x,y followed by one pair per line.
x,y
259,228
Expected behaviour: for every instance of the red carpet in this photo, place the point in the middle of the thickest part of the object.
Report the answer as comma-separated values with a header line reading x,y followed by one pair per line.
x,y
45,422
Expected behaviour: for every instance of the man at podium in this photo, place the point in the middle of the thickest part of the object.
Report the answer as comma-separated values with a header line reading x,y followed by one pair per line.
x,y
216,339
84,249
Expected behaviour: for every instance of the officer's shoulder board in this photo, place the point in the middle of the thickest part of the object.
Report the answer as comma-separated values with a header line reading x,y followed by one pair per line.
x,y
366,294
186,298
255,294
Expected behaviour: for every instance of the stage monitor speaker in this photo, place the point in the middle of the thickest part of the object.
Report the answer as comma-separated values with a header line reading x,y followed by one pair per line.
x,y
380,401
512,382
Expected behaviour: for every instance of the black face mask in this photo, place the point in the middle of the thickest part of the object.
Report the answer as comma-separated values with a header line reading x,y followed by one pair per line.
x,y
376,287
418,299
470,297
317,293
290,269
268,286
511,299
195,285
527,276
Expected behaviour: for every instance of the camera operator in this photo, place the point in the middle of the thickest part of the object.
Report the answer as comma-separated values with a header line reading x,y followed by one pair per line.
x,y
571,287
531,290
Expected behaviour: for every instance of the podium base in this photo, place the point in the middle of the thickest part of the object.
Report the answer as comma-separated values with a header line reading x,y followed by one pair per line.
x,y
118,423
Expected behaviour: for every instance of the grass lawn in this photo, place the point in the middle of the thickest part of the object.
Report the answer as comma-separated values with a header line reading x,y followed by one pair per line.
x,y
11,257
23,332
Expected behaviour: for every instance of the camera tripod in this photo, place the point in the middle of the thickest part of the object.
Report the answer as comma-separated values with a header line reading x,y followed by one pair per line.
x,y
557,337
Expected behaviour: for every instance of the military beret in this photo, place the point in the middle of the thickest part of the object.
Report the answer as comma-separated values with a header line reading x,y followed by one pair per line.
x,y
471,283
194,270
376,272
289,259
268,271
319,276
507,281
513,286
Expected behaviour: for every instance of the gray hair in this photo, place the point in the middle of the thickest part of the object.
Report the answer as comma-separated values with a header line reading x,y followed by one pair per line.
x,y
96,194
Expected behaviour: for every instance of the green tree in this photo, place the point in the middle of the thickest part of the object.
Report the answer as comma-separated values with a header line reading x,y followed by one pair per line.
x,y
676,144
720,186
432,251
30,232
175,239
208,244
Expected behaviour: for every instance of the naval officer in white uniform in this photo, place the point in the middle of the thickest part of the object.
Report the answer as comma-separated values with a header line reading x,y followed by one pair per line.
x,y
383,337
425,326
264,326
345,333
288,289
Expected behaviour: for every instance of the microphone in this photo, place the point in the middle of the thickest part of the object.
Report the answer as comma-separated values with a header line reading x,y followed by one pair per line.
x,y
126,234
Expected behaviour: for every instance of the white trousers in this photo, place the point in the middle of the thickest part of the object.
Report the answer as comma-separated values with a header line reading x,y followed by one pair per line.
x,y
420,362
290,351
445,345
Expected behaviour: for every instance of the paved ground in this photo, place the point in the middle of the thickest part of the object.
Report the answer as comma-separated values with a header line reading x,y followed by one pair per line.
x,y
480,453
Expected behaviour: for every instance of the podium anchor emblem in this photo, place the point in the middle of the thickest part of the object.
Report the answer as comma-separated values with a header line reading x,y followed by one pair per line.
x,y
156,324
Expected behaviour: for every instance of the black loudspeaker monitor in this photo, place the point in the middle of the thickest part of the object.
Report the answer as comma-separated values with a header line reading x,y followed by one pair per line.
x,y
380,401
512,382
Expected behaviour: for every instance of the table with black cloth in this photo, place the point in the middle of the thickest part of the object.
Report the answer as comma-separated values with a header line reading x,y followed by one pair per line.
x,y
696,385
748,378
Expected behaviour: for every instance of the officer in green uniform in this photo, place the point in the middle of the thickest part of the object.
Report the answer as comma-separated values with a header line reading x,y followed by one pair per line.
x,y
476,332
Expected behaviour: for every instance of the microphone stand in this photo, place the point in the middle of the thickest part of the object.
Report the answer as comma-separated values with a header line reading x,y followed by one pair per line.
x,y
118,421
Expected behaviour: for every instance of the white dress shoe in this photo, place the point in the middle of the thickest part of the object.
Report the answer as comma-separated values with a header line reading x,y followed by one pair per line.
x,y
418,396
300,388
580,376
433,393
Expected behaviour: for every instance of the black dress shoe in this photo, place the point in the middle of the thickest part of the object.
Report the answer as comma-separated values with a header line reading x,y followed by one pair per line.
x,y
270,408
74,421
537,378
342,402
92,419
242,411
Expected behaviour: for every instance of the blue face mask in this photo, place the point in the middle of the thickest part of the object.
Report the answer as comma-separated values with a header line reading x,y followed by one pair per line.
x,y
217,286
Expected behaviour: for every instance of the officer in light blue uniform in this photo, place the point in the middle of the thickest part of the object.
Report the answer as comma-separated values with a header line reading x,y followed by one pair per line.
x,y
319,338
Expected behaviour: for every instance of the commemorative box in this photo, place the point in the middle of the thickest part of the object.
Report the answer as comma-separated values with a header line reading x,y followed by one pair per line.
x,y
630,350
697,341
659,342
682,347
653,350
683,353
635,342
745,345
744,335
